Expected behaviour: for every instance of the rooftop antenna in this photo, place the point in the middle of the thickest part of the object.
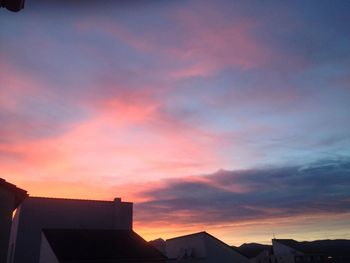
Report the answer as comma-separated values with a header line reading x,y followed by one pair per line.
x,y
273,235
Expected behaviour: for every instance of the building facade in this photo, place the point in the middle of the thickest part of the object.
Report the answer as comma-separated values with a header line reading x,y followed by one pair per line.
x,y
257,253
10,198
318,251
37,213
202,247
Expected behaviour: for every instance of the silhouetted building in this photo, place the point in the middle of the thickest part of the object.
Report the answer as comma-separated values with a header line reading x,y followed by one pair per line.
x,y
328,251
10,198
37,213
96,246
12,5
257,253
202,247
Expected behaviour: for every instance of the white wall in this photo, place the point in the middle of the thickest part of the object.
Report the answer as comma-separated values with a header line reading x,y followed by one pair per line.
x,y
204,248
46,253
13,237
219,252
263,257
192,244
7,204
280,249
283,253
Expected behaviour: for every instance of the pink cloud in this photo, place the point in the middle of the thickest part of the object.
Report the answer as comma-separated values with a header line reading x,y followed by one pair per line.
x,y
203,44
211,41
122,142
16,85
116,30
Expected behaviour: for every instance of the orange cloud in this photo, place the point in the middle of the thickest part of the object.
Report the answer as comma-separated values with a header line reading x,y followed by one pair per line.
x,y
122,142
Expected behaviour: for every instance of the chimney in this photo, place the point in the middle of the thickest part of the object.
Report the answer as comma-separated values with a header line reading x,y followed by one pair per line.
x,y
122,214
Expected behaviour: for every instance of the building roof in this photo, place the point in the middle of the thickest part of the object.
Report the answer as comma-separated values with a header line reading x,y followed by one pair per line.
x,y
337,247
39,198
19,193
210,236
96,245
251,250
189,235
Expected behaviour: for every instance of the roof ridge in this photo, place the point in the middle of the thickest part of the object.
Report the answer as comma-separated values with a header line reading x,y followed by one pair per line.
x,y
10,185
66,198
211,236
311,241
193,234
88,229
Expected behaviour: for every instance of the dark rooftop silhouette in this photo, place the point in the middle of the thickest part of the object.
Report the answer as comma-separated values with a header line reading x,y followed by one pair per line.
x,y
337,247
12,5
96,245
211,236
19,193
251,250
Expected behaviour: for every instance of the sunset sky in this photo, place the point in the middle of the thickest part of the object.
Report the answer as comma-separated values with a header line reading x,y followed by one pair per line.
x,y
226,116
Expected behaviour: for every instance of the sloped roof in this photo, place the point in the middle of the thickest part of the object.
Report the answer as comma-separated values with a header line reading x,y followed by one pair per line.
x,y
337,247
251,250
210,236
19,193
189,235
96,245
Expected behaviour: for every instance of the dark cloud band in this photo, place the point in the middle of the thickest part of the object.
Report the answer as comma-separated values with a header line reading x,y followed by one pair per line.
x,y
270,193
